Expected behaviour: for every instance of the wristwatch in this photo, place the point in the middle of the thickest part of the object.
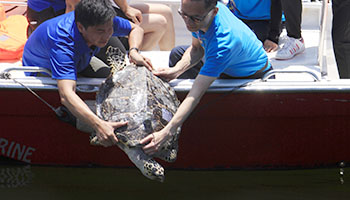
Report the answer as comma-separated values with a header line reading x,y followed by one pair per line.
x,y
134,48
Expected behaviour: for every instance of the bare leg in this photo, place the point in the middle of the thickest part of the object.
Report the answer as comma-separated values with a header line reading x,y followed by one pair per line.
x,y
154,27
167,41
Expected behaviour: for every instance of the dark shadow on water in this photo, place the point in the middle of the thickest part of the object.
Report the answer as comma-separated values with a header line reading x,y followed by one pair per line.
x,y
51,183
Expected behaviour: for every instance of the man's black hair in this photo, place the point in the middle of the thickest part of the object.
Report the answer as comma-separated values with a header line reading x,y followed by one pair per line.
x,y
208,3
93,12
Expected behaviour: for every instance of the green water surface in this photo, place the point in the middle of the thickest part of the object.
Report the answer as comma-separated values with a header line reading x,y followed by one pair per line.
x,y
51,183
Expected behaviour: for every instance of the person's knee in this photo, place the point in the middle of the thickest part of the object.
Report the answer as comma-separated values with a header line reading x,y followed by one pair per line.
x,y
156,24
166,12
161,22
96,69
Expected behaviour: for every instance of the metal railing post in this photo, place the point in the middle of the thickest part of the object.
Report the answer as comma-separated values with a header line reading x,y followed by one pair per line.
x,y
321,48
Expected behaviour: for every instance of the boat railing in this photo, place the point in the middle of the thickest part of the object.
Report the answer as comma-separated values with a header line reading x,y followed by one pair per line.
x,y
321,48
6,73
274,72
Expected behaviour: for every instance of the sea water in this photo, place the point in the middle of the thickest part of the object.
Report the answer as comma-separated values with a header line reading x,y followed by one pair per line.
x,y
51,183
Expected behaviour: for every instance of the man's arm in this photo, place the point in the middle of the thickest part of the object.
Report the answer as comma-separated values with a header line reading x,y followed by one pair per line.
x,y
135,41
157,139
70,5
191,57
104,130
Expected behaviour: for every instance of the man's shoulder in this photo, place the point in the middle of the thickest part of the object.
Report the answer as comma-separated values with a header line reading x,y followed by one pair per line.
x,y
53,32
61,26
63,21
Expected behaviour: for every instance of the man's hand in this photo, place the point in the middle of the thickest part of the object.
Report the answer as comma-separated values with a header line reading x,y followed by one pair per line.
x,y
167,74
154,141
105,132
134,14
70,5
138,59
270,46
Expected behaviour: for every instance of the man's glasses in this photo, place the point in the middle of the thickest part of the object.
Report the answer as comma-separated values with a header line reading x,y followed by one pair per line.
x,y
194,19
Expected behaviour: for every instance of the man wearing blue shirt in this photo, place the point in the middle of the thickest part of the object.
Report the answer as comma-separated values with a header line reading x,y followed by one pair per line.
x,y
65,45
229,47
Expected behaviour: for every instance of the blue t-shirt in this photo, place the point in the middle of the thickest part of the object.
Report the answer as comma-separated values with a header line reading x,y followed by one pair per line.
x,y
230,47
251,9
58,46
39,5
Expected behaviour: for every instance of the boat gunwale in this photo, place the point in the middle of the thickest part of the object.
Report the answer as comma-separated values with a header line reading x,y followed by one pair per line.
x,y
184,85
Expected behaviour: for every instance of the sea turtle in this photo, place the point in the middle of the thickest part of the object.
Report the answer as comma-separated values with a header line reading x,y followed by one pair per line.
x,y
132,93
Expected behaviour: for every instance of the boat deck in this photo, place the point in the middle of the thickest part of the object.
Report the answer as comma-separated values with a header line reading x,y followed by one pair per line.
x,y
308,61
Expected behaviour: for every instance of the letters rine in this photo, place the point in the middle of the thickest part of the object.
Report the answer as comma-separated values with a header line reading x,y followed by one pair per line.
x,y
15,150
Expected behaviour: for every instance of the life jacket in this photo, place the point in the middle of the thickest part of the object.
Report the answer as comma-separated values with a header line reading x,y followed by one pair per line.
x,y
13,35
2,12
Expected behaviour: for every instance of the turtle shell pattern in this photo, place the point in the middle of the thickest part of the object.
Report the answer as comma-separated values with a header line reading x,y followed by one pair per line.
x,y
133,94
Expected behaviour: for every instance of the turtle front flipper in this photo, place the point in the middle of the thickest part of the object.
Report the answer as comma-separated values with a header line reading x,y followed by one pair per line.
x,y
148,167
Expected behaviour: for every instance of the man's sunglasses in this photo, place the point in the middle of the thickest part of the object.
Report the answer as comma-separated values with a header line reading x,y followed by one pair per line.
x,y
194,19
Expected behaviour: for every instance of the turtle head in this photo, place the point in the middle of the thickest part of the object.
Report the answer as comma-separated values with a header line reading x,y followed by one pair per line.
x,y
115,59
153,170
